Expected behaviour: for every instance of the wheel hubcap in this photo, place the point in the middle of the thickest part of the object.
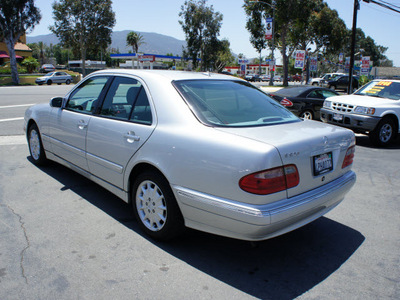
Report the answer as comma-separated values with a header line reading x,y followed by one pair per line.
x,y
307,115
151,206
34,144
386,133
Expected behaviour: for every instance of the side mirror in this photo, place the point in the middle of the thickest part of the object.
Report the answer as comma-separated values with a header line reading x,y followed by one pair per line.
x,y
56,102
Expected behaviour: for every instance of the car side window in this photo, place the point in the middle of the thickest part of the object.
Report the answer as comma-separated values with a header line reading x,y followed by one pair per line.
x,y
141,111
120,98
84,98
327,94
316,94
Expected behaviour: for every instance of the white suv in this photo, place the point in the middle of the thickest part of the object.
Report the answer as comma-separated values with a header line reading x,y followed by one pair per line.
x,y
374,109
325,77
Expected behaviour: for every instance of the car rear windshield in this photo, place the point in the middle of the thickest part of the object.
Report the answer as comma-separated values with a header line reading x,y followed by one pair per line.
x,y
381,89
231,103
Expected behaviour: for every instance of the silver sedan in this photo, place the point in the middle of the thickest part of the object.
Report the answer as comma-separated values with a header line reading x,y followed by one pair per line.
x,y
199,150
54,77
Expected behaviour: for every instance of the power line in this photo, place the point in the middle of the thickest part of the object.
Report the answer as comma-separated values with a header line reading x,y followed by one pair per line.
x,y
384,5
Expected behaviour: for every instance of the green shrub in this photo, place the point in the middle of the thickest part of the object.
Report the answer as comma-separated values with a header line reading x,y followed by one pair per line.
x,y
31,64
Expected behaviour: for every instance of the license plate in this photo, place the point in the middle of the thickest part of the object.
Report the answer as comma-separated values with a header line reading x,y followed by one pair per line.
x,y
338,117
323,163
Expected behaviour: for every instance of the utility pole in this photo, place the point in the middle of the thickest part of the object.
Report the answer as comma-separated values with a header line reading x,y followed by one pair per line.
x,y
353,46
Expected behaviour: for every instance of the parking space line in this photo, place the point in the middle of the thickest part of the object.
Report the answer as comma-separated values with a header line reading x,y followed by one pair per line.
x,y
11,119
18,105
10,140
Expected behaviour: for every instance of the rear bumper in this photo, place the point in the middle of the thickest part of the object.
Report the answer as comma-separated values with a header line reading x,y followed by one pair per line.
x,y
259,222
351,121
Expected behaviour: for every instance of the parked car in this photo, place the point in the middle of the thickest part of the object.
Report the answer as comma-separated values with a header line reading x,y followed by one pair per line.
x,y
296,77
328,76
374,110
47,68
341,83
303,101
206,151
252,77
278,78
54,77
265,77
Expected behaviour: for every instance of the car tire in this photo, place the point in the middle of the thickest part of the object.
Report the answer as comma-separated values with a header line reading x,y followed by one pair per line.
x,y
68,81
315,83
307,115
384,133
332,87
35,144
155,207
49,82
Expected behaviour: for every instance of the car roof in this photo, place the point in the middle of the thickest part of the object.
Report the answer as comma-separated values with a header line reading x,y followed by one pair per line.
x,y
166,74
296,91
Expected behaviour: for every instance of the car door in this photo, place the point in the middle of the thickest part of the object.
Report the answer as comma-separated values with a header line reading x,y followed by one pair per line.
x,y
68,135
124,122
316,98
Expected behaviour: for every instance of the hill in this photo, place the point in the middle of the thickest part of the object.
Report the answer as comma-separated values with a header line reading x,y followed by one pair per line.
x,y
154,43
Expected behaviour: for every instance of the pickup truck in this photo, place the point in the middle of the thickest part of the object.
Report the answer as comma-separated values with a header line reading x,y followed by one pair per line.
x,y
374,110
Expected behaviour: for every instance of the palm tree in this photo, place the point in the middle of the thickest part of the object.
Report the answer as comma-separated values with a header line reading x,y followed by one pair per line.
x,y
134,39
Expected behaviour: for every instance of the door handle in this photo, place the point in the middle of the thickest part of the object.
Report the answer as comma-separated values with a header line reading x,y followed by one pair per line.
x,y
82,125
131,137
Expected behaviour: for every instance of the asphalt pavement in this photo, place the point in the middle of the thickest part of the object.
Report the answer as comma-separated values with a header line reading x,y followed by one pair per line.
x,y
64,237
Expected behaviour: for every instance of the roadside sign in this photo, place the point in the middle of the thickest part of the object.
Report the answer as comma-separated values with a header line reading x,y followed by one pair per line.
x,y
313,64
143,58
243,61
365,60
268,31
300,56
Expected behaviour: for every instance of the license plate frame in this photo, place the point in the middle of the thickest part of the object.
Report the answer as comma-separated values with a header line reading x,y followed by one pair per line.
x,y
322,163
338,117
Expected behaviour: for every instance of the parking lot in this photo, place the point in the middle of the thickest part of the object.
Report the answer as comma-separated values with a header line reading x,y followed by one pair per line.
x,y
64,237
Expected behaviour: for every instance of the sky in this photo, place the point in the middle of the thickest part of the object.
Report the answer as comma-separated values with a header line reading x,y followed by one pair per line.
x,y
162,16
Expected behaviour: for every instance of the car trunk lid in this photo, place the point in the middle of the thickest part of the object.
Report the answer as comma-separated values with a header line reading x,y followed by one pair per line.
x,y
317,149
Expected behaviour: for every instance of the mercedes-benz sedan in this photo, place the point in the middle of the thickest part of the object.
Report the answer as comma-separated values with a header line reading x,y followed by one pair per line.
x,y
199,150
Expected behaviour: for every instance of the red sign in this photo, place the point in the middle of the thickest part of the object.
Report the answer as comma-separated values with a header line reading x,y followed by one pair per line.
x,y
149,58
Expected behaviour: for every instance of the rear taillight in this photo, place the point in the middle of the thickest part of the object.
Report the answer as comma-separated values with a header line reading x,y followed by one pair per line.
x,y
286,102
270,181
348,159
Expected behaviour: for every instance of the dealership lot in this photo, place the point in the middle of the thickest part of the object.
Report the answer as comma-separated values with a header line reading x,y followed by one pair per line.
x,y
64,237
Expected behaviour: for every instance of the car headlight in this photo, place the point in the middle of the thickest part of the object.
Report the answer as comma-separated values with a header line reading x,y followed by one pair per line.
x,y
327,104
364,110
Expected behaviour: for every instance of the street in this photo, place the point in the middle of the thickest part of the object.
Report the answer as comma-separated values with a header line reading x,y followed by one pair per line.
x,y
64,237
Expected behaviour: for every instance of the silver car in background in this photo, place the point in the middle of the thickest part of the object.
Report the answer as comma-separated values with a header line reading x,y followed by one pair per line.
x,y
58,77
201,150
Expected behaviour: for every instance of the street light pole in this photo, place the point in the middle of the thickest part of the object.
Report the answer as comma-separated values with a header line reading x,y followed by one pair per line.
x,y
271,79
353,46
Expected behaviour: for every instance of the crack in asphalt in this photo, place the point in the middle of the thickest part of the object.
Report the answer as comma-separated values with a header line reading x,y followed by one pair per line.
x,y
28,244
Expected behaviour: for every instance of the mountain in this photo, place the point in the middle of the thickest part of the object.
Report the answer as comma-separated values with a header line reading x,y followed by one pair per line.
x,y
154,43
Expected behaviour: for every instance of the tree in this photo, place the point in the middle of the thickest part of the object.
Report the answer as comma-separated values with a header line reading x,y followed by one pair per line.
x,y
223,56
31,64
254,25
83,25
201,26
134,39
16,18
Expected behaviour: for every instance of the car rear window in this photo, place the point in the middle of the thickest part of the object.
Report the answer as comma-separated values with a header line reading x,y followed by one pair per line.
x,y
231,103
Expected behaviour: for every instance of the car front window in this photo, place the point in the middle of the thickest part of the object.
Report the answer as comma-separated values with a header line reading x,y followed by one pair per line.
x,y
232,103
381,89
84,98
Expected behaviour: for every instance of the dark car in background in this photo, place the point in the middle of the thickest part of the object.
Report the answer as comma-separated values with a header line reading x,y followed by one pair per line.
x,y
47,68
303,101
341,83
252,77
